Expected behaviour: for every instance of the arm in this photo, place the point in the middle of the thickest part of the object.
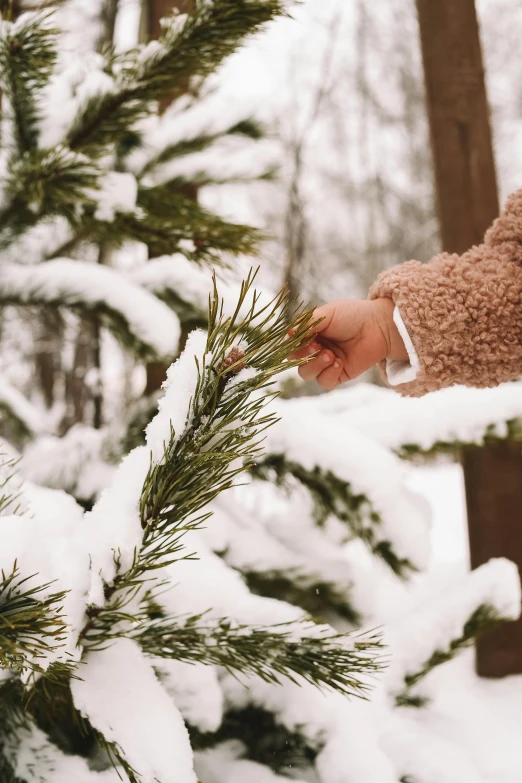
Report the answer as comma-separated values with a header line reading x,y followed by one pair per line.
x,y
464,313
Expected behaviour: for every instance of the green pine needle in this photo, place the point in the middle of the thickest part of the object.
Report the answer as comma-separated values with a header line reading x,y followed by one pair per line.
x,y
273,654
27,59
31,623
483,619
191,47
333,496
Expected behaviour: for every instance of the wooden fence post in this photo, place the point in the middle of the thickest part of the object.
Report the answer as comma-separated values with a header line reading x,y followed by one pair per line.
x,y
467,202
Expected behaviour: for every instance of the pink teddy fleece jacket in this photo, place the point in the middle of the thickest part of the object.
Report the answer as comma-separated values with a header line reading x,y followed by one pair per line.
x,y
464,313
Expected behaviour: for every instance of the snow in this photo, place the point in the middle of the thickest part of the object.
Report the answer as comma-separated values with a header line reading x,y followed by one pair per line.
x,y
222,593
195,690
141,720
72,462
224,764
457,414
71,86
113,528
357,459
174,407
212,114
45,547
229,159
83,285
21,409
36,752
436,623
117,193
186,280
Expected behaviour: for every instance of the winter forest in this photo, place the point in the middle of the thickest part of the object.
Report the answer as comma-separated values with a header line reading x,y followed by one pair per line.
x,y
211,570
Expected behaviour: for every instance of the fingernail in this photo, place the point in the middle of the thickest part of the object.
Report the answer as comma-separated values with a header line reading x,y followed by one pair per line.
x,y
337,365
326,357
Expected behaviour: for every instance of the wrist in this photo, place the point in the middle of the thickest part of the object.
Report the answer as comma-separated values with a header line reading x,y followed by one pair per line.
x,y
395,348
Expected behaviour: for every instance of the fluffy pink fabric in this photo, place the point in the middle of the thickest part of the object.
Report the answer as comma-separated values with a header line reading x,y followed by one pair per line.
x,y
464,313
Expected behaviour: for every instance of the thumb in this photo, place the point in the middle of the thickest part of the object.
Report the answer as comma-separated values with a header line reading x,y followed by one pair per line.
x,y
324,317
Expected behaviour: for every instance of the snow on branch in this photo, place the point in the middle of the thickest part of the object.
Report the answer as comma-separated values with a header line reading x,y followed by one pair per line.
x,y
191,47
189,127
440,629
73,463
353,479
30,749
441,422
153,738
308,652
207,427
186,287
136,317
27,59
44,184
17,409
31,622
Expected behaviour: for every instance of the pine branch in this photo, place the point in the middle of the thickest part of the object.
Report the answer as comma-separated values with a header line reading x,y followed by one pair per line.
x,y
165,221
483,619
227,420
332,496
31,624
45,184
10,495
269,653
314,595
27,59
24,420
191,47
267,741
453,448
247,128
89,288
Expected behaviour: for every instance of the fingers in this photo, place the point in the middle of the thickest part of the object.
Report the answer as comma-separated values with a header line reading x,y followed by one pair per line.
x,y
315,367
321,318
305,351
331,377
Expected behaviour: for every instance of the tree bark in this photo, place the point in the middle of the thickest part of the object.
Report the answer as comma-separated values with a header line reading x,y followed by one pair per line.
x,y
154,12
458,112
467,201
158,9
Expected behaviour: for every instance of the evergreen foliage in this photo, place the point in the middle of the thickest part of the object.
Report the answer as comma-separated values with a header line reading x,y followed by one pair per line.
x,y
231,588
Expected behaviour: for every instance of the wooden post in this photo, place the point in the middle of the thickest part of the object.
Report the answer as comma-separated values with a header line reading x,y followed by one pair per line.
x,y
467,202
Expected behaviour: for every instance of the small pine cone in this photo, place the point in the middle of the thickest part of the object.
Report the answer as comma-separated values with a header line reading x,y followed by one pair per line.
x,y
234,357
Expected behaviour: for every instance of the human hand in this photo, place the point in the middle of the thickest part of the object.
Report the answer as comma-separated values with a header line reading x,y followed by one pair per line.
x,y
352,336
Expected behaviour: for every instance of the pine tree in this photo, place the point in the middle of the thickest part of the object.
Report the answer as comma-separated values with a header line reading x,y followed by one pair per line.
x,y
197,597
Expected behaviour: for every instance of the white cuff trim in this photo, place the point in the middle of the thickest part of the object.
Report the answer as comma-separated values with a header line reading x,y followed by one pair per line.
x,y
402,372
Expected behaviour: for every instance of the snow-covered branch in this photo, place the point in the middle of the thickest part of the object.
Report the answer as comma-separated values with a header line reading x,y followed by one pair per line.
x,y
136,317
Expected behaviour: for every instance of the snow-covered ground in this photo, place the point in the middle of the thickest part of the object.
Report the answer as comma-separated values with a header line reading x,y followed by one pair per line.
x,y
467,711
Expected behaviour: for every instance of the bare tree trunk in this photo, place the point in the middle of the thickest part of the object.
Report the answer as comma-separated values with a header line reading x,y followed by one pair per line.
x,y
108,16
9,9
458,112
153,12
467,199
47,358
79,389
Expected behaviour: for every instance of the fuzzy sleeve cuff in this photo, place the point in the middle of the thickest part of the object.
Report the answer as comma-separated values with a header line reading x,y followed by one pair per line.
x,y
462,313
